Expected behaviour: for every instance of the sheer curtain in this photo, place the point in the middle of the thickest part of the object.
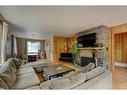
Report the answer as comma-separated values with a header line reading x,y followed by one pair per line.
x,y
33,47
15,46
4,40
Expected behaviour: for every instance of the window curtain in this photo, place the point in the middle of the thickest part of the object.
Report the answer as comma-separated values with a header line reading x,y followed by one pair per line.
x,y
33,47
4,40
1,34
15,46
21,48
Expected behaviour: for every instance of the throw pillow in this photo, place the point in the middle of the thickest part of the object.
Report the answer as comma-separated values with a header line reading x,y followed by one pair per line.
x,y
7,75
14,62
19,61
88,67
12,65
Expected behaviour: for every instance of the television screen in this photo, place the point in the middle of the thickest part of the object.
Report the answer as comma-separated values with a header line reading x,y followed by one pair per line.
x,y
88,40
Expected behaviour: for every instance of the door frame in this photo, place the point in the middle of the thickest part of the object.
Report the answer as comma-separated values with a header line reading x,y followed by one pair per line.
x,y
112,31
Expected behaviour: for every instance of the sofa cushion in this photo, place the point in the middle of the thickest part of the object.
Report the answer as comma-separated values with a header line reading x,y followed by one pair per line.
x,y
22,71
7,74
61,84
69,82
102,81
34,64
77,79
46,84
88,67
95,72
73,80
71,74
1,65
2,88
26,80
16,61
19,62
2,84
33,88
11,61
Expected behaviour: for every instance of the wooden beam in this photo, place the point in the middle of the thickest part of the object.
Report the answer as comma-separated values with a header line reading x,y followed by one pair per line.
x,y
110,48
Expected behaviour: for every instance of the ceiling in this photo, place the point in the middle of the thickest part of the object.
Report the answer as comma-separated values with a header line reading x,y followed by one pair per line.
x,y
41,22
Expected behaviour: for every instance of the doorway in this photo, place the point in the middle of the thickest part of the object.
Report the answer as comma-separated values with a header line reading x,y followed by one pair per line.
x,y
120,48
120,57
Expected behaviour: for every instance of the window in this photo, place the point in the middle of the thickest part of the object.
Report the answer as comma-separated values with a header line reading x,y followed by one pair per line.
x,y
33,47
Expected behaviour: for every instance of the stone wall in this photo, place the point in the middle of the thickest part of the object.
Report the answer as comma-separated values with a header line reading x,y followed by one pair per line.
x,y
101,37
101,34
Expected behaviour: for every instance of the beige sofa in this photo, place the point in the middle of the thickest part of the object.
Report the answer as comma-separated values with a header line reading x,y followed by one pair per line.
x,y
14,75
97,78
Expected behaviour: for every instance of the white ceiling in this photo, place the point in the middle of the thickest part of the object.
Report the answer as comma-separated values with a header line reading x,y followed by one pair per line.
x,y
40,22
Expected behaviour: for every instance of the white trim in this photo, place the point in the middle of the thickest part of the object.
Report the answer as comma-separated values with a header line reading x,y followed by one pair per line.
x,y
120,64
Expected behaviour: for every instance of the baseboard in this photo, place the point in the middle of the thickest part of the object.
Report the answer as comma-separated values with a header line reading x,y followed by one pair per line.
x,y
120,64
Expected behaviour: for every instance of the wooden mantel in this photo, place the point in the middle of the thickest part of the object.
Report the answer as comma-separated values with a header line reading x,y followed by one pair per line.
x,y
90,48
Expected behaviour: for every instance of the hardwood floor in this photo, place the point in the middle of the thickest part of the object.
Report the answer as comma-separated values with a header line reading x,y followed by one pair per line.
x,y
41,78
119,80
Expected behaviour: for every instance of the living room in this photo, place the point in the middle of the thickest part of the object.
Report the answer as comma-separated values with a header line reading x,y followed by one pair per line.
x,y
57,48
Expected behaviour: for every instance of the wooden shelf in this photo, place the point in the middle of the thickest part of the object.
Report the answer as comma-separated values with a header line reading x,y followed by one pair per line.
x,y
87,48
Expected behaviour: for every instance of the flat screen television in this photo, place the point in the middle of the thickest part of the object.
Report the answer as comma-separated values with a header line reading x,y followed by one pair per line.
x,y
88,40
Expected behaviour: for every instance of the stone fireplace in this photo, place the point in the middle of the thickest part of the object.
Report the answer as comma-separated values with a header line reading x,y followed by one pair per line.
x,y
98,54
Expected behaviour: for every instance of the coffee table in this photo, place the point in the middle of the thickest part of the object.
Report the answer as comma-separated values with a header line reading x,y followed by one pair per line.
x,y
54,71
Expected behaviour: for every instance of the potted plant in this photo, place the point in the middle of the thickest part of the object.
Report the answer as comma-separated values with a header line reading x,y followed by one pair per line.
x,y
74,52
